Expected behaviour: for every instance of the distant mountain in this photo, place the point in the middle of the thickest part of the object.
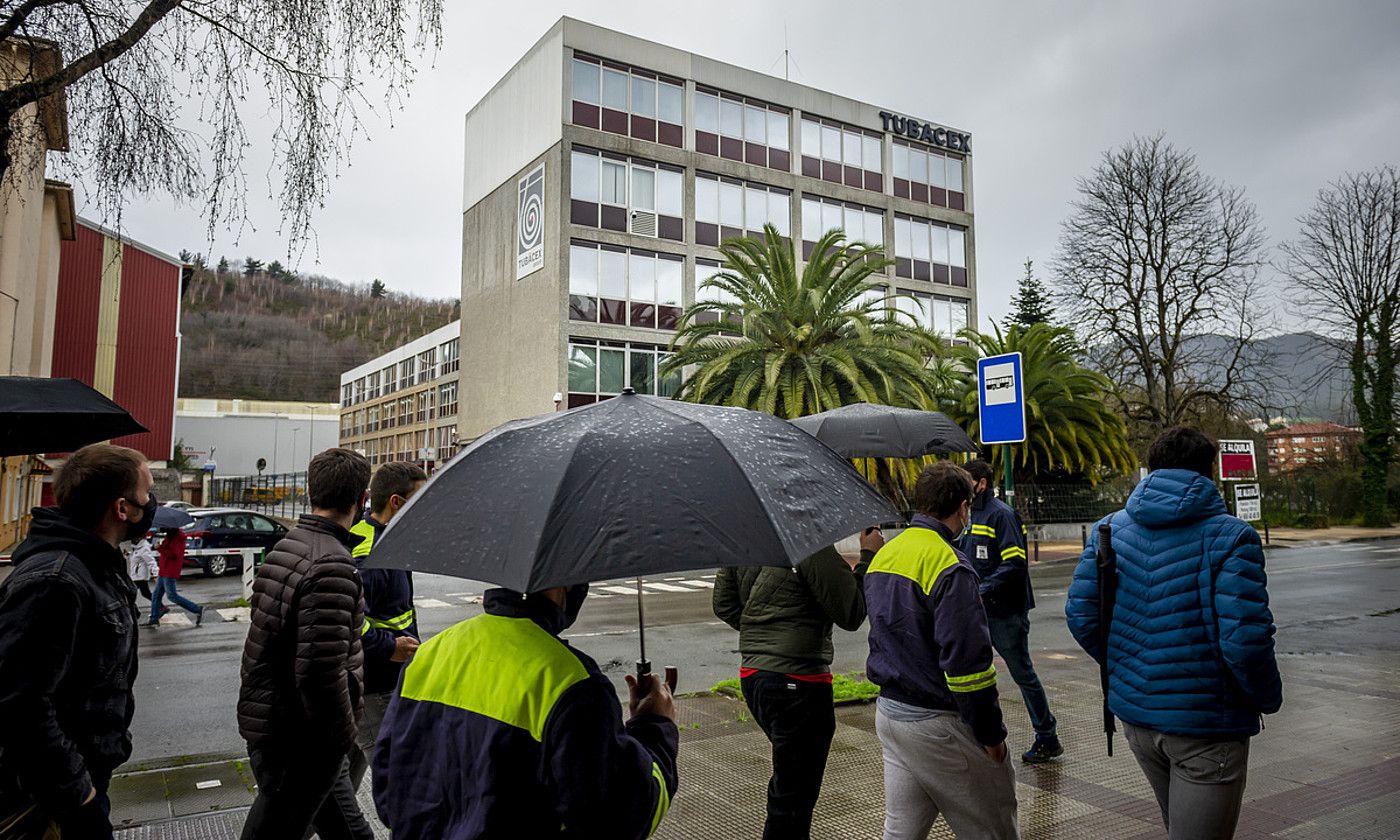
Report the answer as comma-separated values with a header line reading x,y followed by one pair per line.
x,y
284,336
1306,374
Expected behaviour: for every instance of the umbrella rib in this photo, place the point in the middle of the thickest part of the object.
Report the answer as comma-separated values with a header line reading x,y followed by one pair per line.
x,y
749,482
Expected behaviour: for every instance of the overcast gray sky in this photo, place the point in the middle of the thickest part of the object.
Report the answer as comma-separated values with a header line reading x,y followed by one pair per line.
x,y
1278,97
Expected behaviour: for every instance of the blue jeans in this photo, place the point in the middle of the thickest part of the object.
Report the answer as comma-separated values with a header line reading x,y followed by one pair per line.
x,y
1011,638
167,585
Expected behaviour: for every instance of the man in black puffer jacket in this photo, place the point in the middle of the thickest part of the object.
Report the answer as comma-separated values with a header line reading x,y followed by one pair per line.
x,y
68,648
303,666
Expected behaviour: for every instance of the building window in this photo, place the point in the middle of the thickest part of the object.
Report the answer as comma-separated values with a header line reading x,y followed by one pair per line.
x,y
346,391
628,101
427,366
389,412
390,383
928,176
601,369
841,154
405,373
372,419
345,420
372,386
944,316
928,250
425,405
626,194
447,399
861,224
405,410
357,395
725,208
704,270
450,354
742,129
613,285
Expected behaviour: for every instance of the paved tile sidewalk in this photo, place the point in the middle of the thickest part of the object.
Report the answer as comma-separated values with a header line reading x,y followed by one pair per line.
x,y
1327,767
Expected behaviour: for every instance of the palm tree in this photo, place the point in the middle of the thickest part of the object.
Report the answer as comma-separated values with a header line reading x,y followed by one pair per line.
x,y
790,343
1069,427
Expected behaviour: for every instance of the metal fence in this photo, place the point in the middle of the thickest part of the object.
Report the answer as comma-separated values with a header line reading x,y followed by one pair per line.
x,y
280,494
1050,504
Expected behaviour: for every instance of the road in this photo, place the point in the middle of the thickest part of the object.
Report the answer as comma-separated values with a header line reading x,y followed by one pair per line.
x,y
1328,600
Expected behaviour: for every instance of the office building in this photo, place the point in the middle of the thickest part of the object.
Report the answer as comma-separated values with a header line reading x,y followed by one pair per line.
x,y
603,170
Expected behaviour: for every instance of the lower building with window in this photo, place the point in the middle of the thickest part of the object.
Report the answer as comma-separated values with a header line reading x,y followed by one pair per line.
x,y
602,172
402,406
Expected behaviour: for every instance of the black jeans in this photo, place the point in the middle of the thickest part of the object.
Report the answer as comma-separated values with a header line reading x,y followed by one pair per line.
x,y
798,718
301,788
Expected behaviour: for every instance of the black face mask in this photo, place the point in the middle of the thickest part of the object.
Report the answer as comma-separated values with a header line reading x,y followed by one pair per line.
x,y
573,602
136,529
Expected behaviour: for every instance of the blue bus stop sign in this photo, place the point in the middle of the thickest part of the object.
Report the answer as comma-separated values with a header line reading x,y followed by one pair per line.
x,y
1001,399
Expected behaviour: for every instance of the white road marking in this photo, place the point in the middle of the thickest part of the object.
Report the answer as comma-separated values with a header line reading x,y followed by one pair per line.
x,y
429,603
619,590
707,577
176,619
208,783
235,614
705,584
666,587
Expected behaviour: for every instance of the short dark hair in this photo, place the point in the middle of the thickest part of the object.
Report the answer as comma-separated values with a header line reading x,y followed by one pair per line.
x,y
94,477
942,488
1183,448
979,470
395,478
336,479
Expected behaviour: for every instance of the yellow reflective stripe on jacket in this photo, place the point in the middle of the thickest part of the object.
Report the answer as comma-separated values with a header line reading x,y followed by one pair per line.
x,y
663,798
364,628
398,622
506,669
362,529
984,531
972,682
919,554
1013,551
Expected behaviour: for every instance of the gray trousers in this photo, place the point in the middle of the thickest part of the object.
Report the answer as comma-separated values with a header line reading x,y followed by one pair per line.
x,y
1199,782
367,732
934,766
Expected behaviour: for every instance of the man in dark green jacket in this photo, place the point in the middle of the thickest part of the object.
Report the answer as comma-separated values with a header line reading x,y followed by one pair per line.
x,y
784,618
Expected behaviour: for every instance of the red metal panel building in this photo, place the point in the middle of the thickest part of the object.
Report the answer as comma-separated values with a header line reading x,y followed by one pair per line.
x,y
117,328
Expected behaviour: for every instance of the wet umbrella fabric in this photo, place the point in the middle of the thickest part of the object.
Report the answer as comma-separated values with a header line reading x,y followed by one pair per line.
x,y
631,486
864,430
168,517
57,415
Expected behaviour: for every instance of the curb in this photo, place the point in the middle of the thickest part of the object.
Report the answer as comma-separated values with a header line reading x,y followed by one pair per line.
x,y
1323,543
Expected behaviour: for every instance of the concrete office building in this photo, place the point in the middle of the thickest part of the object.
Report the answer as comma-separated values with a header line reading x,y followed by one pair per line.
x,y
402,406
603,170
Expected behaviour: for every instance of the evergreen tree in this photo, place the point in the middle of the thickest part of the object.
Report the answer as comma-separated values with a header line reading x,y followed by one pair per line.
x,y
1031,305
223,265
252,266
377,289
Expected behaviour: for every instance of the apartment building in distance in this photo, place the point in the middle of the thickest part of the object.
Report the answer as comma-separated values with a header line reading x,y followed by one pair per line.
x,y
402,406
1309,444
601,174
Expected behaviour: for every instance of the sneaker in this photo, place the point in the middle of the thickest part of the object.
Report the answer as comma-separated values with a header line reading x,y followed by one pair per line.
x,y
1043,750
199,617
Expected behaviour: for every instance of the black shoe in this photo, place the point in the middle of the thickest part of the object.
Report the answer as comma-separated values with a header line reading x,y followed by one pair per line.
x,y
199,618
1044,750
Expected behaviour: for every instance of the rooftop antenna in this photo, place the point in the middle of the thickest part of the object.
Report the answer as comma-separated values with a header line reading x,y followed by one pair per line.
x,y
786,54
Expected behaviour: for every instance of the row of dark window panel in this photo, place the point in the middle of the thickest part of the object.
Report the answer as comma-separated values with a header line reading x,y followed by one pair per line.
x,y
611,217
620,312
628,125
837,173
937,196
930,271
743,151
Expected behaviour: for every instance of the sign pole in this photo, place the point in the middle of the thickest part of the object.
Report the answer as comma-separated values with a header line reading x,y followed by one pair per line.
x,y
1009,486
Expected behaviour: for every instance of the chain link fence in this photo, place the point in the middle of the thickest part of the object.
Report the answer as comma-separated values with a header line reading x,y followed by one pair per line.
x,y
1054,504
280,494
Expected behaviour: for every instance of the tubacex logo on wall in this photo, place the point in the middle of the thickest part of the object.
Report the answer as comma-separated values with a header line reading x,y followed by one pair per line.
x,y
529,224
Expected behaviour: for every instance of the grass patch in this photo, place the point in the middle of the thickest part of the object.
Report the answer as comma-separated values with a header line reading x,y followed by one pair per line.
x,y
241,602
852,688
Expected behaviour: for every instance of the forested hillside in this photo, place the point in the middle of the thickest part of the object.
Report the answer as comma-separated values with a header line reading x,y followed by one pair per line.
x,y
256,331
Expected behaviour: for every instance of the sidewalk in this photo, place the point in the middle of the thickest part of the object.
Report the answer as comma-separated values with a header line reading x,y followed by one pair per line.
x,y
1327,767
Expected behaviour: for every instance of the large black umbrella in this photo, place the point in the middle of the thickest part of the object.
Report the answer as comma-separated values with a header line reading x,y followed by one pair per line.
x,y
631,486
864,430
56,415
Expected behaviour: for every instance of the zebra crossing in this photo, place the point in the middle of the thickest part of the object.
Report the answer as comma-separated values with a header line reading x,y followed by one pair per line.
x,y
451,600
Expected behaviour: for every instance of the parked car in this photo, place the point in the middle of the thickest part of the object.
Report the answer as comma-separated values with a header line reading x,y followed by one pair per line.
x,y
227,528
179,505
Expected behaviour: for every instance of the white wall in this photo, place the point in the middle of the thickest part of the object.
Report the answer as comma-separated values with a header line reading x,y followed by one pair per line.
x,y
239,440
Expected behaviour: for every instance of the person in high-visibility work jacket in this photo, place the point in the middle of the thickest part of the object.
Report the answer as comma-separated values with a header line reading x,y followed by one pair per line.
x,y
500,728
996,547
389,633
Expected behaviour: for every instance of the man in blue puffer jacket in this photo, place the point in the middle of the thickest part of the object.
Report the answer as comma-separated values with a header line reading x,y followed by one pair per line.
x,y
1190,649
